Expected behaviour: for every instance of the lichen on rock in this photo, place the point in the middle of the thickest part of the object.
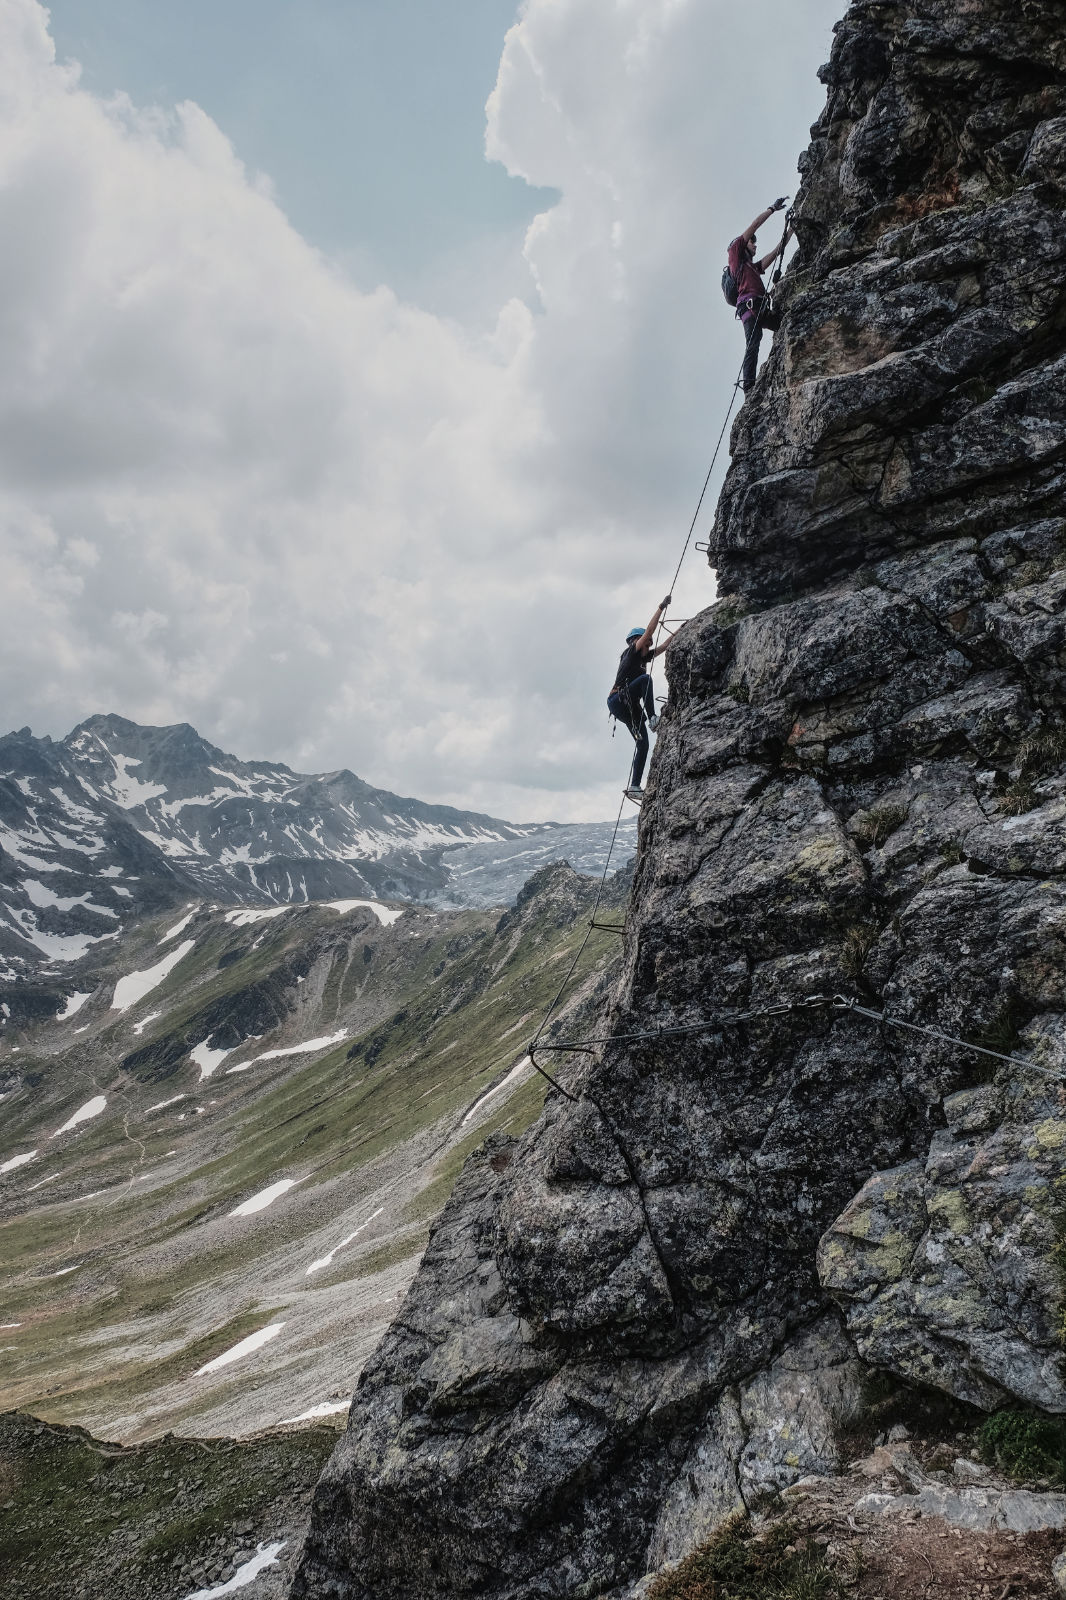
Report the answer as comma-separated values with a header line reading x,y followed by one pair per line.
x,y
859,786
945,1268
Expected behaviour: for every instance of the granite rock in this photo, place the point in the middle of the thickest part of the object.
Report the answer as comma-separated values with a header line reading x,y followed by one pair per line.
x,y
983,1510
945,1266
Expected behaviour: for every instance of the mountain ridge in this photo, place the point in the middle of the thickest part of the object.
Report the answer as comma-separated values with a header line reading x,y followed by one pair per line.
x,y
119,819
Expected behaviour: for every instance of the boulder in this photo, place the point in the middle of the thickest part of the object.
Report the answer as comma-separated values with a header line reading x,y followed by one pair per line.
x,y
945,1267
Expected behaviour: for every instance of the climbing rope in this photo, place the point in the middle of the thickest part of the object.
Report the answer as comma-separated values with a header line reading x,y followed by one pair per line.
x,y
593,924
833,1002
766,300
573,965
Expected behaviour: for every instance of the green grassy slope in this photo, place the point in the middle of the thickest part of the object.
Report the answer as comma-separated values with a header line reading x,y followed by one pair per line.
x,y
120,1259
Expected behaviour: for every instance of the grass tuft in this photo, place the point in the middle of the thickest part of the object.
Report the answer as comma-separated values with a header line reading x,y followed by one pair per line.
x,y
730,610
871,828
858,941
1018,798
742,1563
1039,756
1025,1444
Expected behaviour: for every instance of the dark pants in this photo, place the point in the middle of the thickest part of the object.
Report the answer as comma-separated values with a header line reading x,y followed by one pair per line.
x,y
753,324
633,705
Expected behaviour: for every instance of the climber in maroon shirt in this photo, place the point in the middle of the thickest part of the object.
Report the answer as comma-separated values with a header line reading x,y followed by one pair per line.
x,y
752,308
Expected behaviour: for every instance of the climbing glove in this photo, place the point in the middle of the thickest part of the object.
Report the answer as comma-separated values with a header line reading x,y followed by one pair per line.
x,y
780,204
664,603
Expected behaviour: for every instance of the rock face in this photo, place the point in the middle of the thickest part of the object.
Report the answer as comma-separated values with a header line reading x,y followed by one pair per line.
x,y
859,787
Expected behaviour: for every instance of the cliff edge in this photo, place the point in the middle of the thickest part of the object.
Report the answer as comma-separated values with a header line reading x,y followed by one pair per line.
x,y
660,1301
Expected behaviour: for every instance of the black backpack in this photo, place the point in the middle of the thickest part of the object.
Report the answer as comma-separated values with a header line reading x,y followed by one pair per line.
x,y
729,287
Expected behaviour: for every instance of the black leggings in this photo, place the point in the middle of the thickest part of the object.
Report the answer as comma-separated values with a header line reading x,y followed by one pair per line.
x,y
633,705
753,325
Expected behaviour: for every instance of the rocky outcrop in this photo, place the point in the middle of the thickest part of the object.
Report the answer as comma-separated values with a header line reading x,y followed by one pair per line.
x,y
947,1267
761,1437
859,787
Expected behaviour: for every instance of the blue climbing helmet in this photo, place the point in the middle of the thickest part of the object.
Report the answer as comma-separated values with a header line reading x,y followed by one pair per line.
x,y
634,633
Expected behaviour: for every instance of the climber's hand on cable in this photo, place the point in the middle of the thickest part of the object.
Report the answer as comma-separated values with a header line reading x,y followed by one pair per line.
x,y
664,603
779,204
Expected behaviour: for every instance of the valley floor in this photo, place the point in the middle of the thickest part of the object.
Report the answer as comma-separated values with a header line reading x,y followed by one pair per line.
x,y
84,1520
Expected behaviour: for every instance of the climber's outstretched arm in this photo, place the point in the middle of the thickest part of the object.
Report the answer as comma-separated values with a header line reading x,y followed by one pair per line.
x,y
752,229
647,638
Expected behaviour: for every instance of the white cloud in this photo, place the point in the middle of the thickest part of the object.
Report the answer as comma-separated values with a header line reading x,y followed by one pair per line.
x,y
331,528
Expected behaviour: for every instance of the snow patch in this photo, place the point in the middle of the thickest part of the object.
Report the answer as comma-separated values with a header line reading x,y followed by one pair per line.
x,y
327,1260
385,914
266,1555
73,1006
254,1341
14,843
244,919
18,1161
266,1197
291,1050
170,847
328,1408
515,1073
91,1108
128,791
179,927
57,946
153,1016
135,985
170,808
160,1104
51,1178
39,895
208,1060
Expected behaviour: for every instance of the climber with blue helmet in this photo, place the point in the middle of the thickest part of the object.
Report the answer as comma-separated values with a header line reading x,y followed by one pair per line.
x,y
631,700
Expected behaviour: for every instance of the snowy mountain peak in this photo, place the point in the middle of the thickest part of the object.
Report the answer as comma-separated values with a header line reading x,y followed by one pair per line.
x,y
119,819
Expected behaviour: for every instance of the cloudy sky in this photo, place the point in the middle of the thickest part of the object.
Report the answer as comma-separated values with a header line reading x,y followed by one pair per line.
x,y
361,360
